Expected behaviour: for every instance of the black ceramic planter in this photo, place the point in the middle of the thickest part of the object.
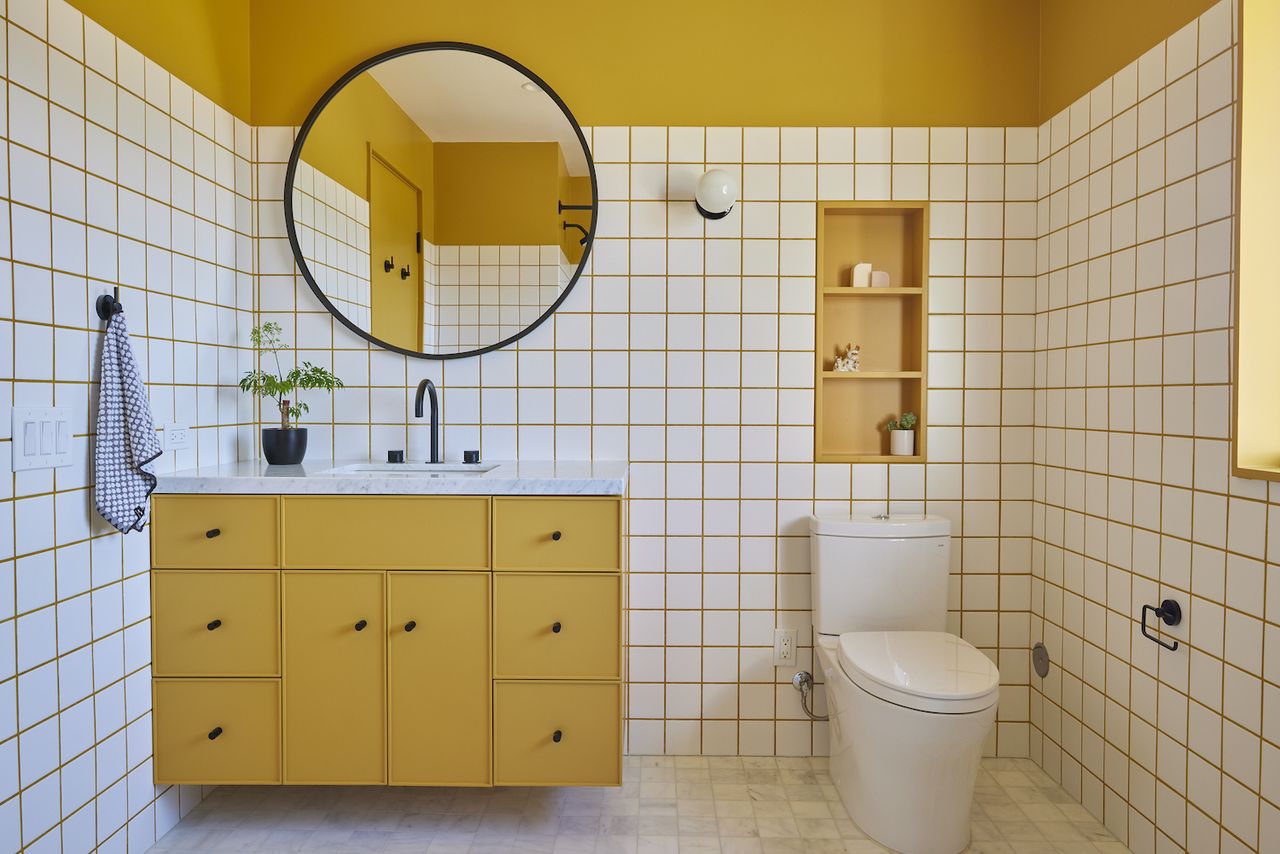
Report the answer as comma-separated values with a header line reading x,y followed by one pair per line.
x,y
284,447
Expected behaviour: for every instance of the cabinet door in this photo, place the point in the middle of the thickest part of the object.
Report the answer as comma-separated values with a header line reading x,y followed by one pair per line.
x,y
438,667
334,678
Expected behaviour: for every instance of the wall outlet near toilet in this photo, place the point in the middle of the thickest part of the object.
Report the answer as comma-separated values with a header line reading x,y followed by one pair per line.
x,y
784,647
177,437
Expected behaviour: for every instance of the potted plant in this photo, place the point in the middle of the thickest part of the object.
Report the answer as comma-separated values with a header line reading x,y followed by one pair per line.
x,y
285,445
902,435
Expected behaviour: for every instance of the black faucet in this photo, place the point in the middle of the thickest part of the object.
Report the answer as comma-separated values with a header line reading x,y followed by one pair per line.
x,y
428,387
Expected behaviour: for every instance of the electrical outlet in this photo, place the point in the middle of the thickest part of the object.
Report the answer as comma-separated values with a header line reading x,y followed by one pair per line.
x,y
784,647
177,437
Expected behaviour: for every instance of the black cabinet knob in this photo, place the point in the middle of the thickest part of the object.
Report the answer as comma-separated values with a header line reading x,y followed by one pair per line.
x,y
213,625
556,736
555,535
360,626
215,732
212,532
411,625
555,627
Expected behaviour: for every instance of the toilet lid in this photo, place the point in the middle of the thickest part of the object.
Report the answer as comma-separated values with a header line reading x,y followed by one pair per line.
x,y
927,671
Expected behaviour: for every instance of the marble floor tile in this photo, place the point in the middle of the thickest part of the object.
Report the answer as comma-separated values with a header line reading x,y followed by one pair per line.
x,y
666,805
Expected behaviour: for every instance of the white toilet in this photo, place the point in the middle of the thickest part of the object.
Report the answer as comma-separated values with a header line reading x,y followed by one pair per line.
x,y
910,704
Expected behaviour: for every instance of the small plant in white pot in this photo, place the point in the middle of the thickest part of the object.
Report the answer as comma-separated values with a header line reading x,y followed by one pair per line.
x,y
902,435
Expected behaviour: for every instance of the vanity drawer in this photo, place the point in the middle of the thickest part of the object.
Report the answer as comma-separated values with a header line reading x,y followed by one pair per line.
x,y
557,626
216,622
556,533
386,532
241,715
214,531
527,716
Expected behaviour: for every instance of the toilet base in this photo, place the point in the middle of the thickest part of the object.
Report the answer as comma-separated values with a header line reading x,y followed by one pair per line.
x,y
906,777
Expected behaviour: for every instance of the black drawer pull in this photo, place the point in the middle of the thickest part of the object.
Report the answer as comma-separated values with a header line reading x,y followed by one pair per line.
x,y
213,625
411,625
215,732
212,532
555,535
556,736
360,626
555,627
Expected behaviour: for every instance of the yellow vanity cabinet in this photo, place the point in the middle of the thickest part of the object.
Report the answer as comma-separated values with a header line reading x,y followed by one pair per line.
x,y
552,533
216,731
386,532
215,622
438,682
410,640
556,626
214,531
334,685
556,734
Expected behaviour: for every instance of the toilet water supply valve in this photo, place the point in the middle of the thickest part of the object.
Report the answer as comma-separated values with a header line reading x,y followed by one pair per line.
x,y
803,682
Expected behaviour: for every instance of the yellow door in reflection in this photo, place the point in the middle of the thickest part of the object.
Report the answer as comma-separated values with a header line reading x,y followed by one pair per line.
x,y
395,268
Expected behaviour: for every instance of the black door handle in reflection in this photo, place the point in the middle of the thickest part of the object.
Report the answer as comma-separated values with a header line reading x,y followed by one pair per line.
x,y
1169,612
360,626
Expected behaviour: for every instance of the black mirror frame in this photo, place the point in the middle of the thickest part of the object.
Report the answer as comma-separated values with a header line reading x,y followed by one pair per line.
x,y
331,93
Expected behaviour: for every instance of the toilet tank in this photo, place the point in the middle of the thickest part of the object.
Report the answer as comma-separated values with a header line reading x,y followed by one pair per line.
x,y
879,574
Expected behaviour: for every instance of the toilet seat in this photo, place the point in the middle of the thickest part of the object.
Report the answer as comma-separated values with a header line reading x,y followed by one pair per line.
x,y
926,671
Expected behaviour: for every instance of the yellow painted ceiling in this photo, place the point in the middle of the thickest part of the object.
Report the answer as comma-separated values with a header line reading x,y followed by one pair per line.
x,y
731,62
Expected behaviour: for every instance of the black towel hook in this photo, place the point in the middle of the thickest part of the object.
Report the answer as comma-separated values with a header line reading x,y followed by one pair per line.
x,y
109,304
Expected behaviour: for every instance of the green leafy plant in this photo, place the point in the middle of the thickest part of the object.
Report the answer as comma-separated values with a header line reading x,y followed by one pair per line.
x,y
907,421
282,387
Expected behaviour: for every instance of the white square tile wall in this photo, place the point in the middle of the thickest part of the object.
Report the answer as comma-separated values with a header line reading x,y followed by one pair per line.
x,y
686,349
115,175
1134,499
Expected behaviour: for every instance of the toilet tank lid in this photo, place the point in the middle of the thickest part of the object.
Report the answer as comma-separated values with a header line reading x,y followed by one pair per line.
x,y
897,526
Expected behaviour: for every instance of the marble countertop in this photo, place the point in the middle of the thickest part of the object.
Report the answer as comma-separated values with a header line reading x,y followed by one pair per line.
x,y
318,477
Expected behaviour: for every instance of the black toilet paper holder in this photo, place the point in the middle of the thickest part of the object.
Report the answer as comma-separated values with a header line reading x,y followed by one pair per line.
x,y
1169,612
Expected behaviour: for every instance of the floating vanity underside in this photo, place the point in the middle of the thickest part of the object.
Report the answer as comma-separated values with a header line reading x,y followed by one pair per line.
x,y
406,639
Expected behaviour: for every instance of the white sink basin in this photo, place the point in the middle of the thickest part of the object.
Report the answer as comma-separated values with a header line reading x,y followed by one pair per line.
x,y
413,469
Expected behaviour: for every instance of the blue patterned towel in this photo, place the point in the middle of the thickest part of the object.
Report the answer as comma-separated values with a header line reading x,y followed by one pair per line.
x,y
126,441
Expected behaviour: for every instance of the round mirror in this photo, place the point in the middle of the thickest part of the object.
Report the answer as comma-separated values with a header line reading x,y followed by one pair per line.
x,y
440,200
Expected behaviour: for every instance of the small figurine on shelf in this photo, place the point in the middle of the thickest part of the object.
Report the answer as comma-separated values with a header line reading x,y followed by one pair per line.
x,y
848,361
902,435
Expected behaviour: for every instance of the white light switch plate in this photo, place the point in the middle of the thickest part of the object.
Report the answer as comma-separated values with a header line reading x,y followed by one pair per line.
x,y
177,437
41,437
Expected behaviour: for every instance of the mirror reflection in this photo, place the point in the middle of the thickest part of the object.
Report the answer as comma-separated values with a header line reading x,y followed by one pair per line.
x,y
441,201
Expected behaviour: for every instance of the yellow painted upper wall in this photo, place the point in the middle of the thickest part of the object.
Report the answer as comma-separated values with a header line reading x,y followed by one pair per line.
x,y
205,43
828,62
497,193
1083,42
673,62
364,115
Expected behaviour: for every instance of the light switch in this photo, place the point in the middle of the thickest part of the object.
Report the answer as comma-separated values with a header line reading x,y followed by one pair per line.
x,y
45,435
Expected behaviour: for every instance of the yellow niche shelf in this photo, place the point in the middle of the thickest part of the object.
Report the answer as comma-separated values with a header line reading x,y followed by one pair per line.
x,y
888,324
